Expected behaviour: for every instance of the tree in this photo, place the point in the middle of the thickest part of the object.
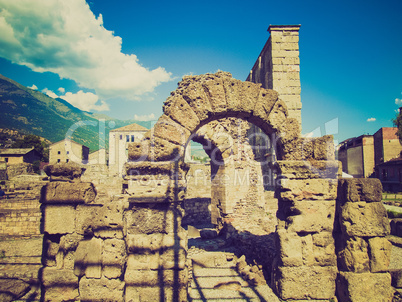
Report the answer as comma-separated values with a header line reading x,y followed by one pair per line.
x,y
34,141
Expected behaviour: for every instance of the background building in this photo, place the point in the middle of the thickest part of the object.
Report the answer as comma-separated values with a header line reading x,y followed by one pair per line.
x,y
118,143
372,155
386,145
19,156
390,175
357,156
68,151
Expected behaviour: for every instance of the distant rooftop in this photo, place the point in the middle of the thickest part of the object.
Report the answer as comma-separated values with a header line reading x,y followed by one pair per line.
x,y
132,127
15,151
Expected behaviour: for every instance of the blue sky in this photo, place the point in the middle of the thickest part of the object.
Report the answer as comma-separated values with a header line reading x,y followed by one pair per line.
x,y
124,57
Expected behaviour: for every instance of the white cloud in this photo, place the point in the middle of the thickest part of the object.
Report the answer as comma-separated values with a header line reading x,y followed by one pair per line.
x,y
398,101
49,93
33,87
371,119
61,90
64,37
86,101
149,117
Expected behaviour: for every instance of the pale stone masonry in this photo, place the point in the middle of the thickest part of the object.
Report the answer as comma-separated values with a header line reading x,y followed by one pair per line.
x,y
278,67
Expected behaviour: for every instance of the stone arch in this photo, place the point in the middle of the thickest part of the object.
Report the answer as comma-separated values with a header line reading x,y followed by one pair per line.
x,y
156,175
201,99
156,169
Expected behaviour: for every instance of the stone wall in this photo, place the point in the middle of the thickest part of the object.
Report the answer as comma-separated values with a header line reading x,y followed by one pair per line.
x,y
363,250
20,216
20,213
278,67
132,246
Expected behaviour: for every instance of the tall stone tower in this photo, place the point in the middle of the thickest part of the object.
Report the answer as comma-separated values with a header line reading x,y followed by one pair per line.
x,y
278,66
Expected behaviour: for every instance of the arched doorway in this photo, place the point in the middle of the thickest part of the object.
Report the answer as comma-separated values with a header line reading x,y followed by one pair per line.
x,y
198,101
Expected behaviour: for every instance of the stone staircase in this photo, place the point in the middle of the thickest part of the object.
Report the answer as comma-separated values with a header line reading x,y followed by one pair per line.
x,y
215,278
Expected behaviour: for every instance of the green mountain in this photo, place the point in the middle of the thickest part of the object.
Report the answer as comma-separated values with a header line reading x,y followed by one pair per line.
x,y
33,112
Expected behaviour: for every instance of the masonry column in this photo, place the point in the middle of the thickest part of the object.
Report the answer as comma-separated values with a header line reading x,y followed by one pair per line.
x,y
278,67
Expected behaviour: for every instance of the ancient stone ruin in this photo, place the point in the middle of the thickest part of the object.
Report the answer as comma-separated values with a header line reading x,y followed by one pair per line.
x,y
132,246
324,237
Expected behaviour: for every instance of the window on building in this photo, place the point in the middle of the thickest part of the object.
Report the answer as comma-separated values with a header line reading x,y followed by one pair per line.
x,y
67,160
6,159
127,138
384,174
58,160
132,138
121,136
68,152
58,152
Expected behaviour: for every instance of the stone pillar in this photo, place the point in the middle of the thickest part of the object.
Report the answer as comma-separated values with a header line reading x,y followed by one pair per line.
x,y
363,250
305,267
84,251
156,242
278,67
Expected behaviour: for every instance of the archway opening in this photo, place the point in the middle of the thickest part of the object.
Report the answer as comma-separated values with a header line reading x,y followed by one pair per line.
x,y
235,189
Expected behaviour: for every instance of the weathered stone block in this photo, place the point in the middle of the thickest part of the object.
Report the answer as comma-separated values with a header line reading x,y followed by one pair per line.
x,y
65,192
241,96
138,151
324,148
161,149
113,258
364,287
144,243
360,189
310,189
149,261
69,242
149,188
180,111
290,248
64,172
311,216
150,243
101,289
170,130
324,249
151,294
305,282
289,131
195,96
158,218
380,254
59,219
59,285
364,219
88,219
173,258
215,92
278,114
294,169
265,103
88,258
353,256
167,278
309,149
